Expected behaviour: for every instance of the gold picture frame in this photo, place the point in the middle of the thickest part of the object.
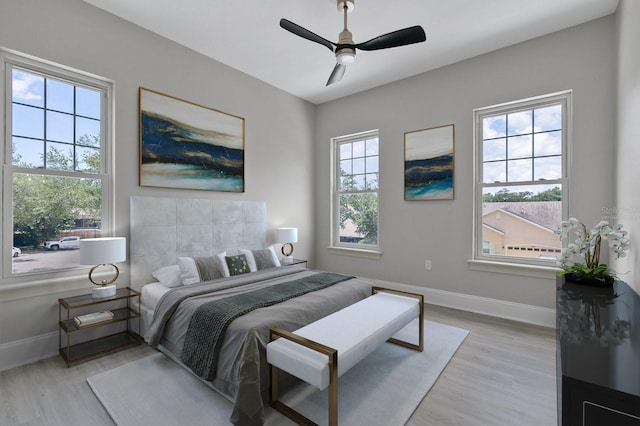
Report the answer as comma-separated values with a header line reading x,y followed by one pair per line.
x,y
189,146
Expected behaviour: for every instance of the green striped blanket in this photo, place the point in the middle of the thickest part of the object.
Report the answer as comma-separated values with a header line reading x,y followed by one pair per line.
x,y
210,321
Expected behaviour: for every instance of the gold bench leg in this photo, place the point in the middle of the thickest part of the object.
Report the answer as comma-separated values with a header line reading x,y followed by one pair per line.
x,y
420,346
333,380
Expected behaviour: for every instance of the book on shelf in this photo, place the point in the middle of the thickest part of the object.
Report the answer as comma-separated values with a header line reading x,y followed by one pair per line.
x,y
93,318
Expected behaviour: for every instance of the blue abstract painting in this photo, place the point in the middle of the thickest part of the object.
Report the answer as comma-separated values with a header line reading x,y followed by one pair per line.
x,y
428,163
189,146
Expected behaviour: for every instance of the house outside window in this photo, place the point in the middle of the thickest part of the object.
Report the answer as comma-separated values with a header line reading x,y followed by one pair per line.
x,y
57,165
355,191
521,179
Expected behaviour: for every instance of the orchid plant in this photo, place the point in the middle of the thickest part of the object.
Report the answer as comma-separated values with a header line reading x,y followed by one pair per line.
x,y
587,247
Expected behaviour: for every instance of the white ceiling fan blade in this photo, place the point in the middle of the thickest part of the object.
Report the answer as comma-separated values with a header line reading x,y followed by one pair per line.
x,y
337,73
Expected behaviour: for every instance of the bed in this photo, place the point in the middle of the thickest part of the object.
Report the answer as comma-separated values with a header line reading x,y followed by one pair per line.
x,y
222,230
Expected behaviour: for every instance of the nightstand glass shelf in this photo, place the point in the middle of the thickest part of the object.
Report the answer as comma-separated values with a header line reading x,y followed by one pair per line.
x,y
299,262
121,305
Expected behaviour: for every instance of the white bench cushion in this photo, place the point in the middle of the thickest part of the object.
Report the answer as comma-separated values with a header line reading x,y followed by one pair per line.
x,y
354,332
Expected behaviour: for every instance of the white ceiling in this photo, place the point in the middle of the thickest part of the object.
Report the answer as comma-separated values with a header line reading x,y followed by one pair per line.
x,y
245,34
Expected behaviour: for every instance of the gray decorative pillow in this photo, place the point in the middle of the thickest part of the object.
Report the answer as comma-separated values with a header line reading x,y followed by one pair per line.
x,y
264,259
237,264
208,268
196,269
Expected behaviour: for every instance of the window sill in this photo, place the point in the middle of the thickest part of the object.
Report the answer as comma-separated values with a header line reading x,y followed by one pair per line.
x,y
45,287
547,272
366,254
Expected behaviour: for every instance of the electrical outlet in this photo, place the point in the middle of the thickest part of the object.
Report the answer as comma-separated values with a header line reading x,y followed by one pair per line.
x,y
427,265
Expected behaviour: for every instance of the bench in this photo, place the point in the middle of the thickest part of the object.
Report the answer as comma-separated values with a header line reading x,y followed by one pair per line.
x,y
322,351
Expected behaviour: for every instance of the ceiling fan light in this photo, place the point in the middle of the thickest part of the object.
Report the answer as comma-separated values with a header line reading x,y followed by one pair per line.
x,y
347,56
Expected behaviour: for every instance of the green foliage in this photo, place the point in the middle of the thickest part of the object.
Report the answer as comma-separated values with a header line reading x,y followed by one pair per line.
x,y
360,208
44,205
504,195
583,272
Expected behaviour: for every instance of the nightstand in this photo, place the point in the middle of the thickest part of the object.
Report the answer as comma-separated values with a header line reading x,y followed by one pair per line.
x,y
101,337
294,262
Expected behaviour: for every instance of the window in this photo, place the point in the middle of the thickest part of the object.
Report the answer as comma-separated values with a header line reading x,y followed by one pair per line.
x,y
355,192
56,163
521,179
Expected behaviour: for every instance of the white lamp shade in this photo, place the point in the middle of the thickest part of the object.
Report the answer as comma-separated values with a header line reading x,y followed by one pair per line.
x,y
287,235
97,251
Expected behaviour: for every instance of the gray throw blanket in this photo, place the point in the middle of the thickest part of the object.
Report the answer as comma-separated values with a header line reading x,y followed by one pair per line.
x,y
210,321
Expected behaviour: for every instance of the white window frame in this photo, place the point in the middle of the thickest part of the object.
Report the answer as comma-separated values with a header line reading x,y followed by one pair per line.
x,y
8,60
511,264
335,246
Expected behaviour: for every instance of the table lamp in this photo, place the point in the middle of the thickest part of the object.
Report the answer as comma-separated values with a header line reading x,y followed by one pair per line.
x,y
102,252
287,236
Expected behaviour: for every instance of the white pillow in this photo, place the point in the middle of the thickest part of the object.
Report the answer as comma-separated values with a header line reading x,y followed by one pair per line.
x,y
222,264
251,260
188,270
169,276
275,256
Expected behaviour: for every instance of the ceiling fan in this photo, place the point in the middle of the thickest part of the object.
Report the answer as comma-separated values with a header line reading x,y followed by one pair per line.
x,y
345,49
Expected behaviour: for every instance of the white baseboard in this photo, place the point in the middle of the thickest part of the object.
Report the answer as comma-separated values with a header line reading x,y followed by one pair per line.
x,y
25,351
520,312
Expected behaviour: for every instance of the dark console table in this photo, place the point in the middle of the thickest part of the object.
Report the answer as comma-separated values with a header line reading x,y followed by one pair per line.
x,y
598,355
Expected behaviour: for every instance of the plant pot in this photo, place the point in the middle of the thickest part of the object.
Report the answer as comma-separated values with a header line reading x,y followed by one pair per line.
x,y
589,281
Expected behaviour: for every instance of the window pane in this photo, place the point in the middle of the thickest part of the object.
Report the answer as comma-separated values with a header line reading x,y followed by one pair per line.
x,y
372,146
520,170
519,123
520,146
48,208
371,164
547,143
27,88
547,168
358,182
495,149
87,131
494,127
27,121
59,127
520,221
88,159
358,165
59,96
372,181
494,172
346,183
358,149
345,167
345,150
548,118
358,219
59,156
88,102
28,152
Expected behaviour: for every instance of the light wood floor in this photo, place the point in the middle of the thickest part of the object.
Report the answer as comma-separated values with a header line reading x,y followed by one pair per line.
x,y
503,374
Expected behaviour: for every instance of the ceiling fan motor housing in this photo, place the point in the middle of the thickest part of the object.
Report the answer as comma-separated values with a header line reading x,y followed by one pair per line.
x,y
345,54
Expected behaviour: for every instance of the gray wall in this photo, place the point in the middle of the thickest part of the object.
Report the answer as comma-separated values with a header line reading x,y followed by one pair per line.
x,y
628,172
581,58
279,127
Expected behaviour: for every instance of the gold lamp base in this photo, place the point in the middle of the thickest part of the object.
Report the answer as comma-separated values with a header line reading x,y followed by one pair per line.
x,y
104,288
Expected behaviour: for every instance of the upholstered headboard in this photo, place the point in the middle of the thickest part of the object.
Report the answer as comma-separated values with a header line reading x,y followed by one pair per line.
x,y
164,228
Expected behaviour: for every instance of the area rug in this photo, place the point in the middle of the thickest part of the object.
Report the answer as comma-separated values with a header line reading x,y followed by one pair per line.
x,y
383,389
